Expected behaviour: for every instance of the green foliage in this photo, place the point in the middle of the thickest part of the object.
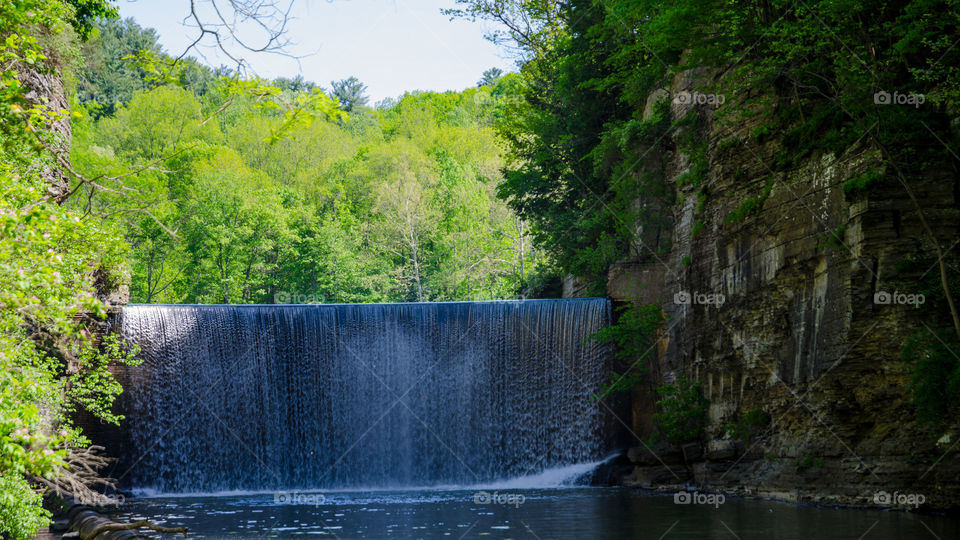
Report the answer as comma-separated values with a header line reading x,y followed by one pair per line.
x,y
833,239
86,12
935,382
729,144
748,425
490,77
862,182
350,93
573,171
683,410
105,80
51,262
122,58
913,274
763,131
633,337
808,461
21,513
699,166
535,24
544,282
618,383
697,228
635,331
301,111
750,206
21,49
296,84
93,386
282,197
931,350
702,197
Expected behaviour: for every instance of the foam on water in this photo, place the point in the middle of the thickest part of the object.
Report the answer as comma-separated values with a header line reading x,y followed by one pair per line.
x,y
567,476
555,477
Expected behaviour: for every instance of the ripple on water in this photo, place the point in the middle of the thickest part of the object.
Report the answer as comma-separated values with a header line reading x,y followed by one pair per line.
x,y
560,513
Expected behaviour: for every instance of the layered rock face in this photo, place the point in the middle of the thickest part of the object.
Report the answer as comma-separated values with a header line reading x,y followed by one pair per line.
x,y
798,334
47,89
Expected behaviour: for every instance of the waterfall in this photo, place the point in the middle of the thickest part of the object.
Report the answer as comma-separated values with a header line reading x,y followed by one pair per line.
x,y
233,397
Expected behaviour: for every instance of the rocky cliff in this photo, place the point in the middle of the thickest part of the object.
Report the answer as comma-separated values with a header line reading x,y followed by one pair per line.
x,y
773,294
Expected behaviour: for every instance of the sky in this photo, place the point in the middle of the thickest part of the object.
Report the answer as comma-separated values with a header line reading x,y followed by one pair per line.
x,y
392,46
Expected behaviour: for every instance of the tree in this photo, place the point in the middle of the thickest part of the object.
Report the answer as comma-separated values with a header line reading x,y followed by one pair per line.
x,y
296,84
529,27
227,25
490,77
155,124
105,77
350,92
232,226
407,215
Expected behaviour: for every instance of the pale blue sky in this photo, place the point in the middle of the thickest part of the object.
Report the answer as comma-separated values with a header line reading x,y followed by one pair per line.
x,y
391,45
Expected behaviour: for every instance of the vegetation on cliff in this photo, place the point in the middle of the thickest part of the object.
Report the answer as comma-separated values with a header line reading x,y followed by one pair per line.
x,y
817,77
51,262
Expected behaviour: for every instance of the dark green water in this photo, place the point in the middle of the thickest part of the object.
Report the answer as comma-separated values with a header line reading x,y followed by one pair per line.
x,y
538,514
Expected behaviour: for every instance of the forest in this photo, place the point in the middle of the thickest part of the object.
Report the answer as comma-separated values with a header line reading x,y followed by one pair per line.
x,y
163,180
235,201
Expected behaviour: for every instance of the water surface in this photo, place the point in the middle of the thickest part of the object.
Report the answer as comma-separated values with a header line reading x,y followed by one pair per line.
x,y
580,512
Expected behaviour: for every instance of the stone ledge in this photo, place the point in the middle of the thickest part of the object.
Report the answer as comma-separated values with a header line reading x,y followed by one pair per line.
x,y
632,280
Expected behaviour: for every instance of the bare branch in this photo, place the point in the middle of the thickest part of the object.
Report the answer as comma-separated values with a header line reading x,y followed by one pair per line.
x,y
226,22
79,478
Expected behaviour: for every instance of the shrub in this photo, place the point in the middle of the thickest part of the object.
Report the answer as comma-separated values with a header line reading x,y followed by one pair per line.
x,y
750,206
935,383
633,337
863,181
20,512
748,425
683,410
697,228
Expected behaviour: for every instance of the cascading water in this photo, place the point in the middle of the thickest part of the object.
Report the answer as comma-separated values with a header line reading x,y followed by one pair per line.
x,y
360,396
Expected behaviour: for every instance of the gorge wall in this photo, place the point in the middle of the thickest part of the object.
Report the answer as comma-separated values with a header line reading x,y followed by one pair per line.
x,y
799,335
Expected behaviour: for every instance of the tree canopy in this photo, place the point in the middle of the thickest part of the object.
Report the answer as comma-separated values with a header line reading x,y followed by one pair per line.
x,y
391,204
